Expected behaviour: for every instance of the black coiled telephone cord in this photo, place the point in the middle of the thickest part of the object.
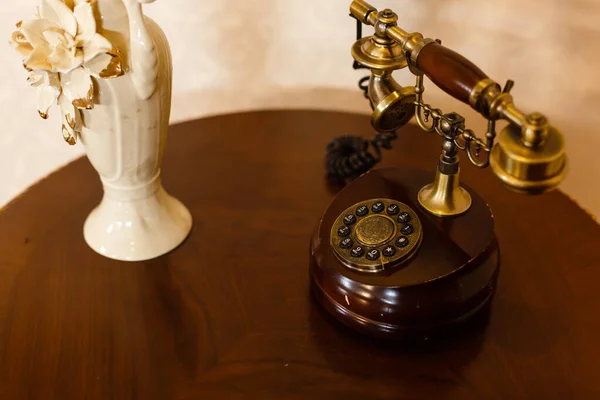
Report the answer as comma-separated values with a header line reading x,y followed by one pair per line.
x,y
348,157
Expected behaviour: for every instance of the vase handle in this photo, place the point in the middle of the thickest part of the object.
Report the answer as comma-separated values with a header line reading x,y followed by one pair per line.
x,y
144,60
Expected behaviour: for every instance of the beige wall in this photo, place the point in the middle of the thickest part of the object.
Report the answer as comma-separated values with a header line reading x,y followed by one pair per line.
x,y
234,55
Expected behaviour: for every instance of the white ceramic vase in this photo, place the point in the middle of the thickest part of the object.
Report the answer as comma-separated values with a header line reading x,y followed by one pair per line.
x,y
125,136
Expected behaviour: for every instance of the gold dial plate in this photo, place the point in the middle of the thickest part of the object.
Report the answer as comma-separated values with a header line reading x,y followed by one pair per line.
x,y
376,234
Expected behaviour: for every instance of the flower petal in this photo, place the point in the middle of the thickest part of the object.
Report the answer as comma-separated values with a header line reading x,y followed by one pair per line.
x,y
86,23
59,13
105,65
98,64
62,60
34,29
38,59
71,118
18,38
47,96
20,43
55,38
79,88
35,79
98,44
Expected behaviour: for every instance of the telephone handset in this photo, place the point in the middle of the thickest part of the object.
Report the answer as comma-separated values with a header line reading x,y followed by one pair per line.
x,y
403,252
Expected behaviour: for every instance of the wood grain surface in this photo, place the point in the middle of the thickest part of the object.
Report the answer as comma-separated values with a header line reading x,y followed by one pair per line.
x,y
228,315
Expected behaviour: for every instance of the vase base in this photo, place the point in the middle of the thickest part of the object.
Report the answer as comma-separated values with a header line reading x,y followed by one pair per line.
x,y
138,230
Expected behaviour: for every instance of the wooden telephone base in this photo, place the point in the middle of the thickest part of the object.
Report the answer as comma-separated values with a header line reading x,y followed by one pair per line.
x,y
451,277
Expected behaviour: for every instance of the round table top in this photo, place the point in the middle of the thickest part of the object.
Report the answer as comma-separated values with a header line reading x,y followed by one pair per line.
x,y
228,315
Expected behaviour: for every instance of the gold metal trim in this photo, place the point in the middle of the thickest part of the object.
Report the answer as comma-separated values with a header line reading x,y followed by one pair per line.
x,y
478,90
444,197
413,46
380,56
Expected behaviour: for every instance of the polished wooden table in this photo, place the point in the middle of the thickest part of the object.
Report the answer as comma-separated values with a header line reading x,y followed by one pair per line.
x,y
228,315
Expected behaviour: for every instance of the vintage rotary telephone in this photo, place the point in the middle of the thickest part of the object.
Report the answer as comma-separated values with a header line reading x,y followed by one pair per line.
x,y
403,252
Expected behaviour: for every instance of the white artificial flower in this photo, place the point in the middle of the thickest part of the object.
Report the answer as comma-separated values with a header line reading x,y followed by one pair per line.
x,y
63,51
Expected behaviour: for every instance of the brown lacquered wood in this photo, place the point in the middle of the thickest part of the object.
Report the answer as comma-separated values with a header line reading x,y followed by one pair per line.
x,y
450,279
229,315
450,71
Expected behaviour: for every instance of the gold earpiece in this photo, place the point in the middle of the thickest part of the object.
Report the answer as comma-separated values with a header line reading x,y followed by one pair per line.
x,y
530,159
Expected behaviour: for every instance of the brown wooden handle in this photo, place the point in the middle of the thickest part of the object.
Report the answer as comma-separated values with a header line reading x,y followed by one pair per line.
x,y
450,71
